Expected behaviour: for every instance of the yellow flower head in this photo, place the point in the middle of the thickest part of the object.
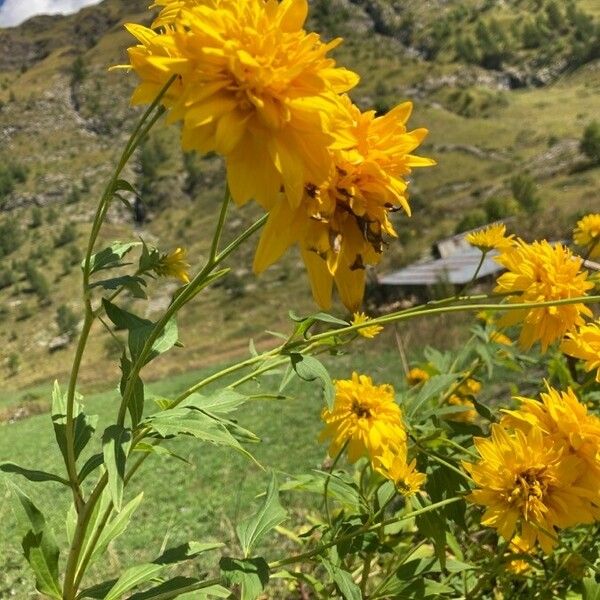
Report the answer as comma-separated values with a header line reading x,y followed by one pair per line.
x,y
416,376
367,332
540,272
518,566
174,265
587,234
584,344
364,416
562,417
527,487
461,397
491,238
394,465
251,85
342,222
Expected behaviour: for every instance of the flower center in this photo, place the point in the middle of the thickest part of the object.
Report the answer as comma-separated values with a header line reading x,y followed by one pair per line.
x,y
529,489
360,410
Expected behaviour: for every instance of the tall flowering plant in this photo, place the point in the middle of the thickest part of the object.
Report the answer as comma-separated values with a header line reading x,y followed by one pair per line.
x,y
247,81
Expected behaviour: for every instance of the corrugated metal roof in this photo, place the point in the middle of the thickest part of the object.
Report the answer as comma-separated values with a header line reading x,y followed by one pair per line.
x,y
457,269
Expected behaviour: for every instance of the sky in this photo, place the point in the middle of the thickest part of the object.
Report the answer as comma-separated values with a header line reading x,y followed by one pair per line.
x,y
14,12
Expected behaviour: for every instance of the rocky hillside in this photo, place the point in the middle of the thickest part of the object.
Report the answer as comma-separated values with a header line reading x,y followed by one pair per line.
x,y
505,87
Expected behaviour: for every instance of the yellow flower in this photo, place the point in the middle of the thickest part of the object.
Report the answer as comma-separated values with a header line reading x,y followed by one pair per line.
x,y
584,344
587,234
491,238
174,265
528,487
518,566
416,376
366,417
341,223
566,421
251,85
367,332
540,272
394,465
500,338
461,397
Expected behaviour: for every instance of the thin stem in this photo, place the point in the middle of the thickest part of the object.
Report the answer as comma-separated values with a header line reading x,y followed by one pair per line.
x,y
365,529
219,230
474,278
328,479
406,315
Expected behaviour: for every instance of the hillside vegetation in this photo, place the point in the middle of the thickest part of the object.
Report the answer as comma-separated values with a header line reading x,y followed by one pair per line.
x,y
506,88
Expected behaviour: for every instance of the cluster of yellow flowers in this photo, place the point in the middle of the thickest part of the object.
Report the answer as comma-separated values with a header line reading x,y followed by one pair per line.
x,y
366,421
249,83
540,470
541,272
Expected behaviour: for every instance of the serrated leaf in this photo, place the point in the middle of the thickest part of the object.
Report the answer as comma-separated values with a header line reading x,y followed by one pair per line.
x,y
250,576
133,577
37,476
311,369
116,443
159,451
40,547
110,258
270,514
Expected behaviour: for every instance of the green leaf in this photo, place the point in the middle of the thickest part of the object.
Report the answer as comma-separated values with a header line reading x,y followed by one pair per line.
x,y
310,369
484,411
169,589
320,316
222,402
250,576
84,425
159,451
181,421
110,257
591,589
133,577
92,463
139,331
116,527
116,443
135,406
37,476
344,582
432,388
124,186
40,547
185,552
271,514
135,285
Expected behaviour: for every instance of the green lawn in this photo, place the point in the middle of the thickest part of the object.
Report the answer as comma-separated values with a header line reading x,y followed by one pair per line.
x,y
182,503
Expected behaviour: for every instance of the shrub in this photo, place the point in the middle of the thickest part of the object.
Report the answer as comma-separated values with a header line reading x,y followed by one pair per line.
x,y
14,364
66,236
36,217
500,208
524,191
38,283
473,219
66,320
590,142
7,277
11,238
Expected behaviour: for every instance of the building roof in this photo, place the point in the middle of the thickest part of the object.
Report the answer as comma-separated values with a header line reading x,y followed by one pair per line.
x,y
457,269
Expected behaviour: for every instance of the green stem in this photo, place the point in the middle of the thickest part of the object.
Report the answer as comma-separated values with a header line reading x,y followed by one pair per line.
x,y
326,486
406,315
365,529
221,223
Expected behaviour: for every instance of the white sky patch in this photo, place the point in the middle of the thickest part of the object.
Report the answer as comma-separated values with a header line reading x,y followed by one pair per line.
x,y
14,12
